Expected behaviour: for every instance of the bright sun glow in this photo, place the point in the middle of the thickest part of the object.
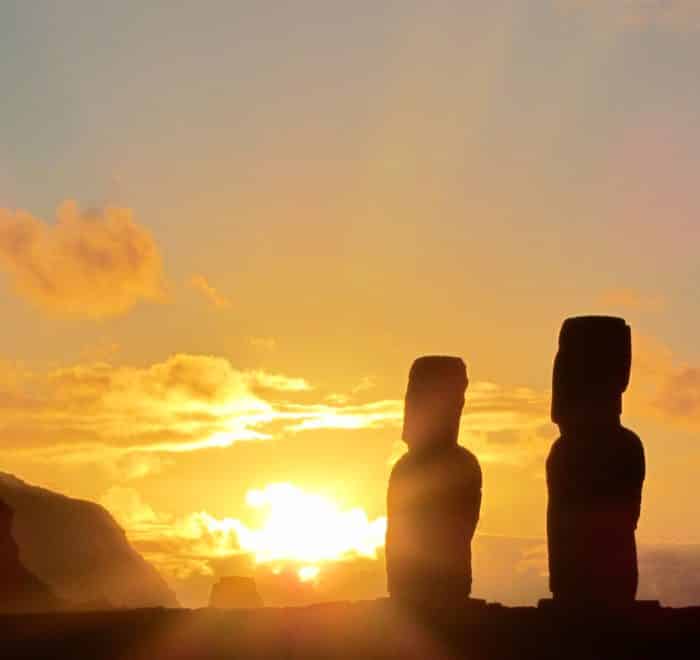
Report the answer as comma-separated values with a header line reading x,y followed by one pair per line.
x,y
308,527
299,527
308,573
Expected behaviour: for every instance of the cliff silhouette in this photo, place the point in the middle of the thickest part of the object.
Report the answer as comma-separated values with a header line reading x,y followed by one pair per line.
x,y
78,549
20,590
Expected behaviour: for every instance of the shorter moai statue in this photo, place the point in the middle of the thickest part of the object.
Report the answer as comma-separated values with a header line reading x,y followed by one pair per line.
x,y
595,469
434,493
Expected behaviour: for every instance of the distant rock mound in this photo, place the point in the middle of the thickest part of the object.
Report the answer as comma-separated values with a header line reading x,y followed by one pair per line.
x,y
235,592
20,590
78,549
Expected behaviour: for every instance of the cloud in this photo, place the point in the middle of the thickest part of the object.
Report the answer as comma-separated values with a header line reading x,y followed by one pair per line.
x,y
278,382
134,420
201,284
507,425
367,383
683,15
126,505
87,265
630,300
663,386
491,407
670,573
185,403
129,419
294,527
375,414
679,397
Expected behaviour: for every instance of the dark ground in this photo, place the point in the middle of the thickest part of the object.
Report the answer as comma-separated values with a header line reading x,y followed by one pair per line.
x,y
367,629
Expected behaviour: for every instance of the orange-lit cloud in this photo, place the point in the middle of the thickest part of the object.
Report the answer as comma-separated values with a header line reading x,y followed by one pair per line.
x,y
630,300
375,414
679,397
297,527
278,382
201,284
87,265
131,419
127,506
186,403
663,386
365,384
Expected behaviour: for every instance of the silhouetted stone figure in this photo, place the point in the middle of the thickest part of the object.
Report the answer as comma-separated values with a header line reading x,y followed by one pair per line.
x,y
434,493
235,592
595,470
20,590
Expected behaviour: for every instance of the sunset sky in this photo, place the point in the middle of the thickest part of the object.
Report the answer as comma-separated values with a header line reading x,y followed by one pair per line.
x,y
227,229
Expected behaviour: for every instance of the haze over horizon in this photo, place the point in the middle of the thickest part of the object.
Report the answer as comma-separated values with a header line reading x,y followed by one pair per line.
x,y
227,229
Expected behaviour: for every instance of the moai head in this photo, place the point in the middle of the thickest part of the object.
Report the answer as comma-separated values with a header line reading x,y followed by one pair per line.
x,y
591,370
434,401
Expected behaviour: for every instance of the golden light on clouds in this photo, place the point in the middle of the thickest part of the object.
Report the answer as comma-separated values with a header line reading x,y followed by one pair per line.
x,y
308,527
215,297
135,419
89,264
308,573
295,527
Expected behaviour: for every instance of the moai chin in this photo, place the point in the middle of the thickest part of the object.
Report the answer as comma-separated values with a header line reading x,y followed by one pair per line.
x,y
595,470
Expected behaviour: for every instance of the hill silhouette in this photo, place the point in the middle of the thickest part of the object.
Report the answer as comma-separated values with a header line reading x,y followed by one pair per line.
x,y
20,590
78,549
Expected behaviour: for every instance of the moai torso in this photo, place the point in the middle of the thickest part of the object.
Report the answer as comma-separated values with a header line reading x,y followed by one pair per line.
x,y
434,492
595,470
433,506
594,478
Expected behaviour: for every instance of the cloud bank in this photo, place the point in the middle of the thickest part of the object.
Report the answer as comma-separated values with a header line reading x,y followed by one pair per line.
x,y
663,386
135,419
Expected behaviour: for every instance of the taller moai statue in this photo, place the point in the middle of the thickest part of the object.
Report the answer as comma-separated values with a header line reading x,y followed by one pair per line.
x,y
434,493
595,470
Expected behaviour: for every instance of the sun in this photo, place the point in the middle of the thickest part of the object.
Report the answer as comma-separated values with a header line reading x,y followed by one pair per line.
x,y
304,528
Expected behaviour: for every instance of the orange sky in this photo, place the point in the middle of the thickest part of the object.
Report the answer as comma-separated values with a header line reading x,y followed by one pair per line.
x,y
223,241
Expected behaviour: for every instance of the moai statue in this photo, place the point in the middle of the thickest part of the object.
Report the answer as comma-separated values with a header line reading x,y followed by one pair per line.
x,y
434,493
595,469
